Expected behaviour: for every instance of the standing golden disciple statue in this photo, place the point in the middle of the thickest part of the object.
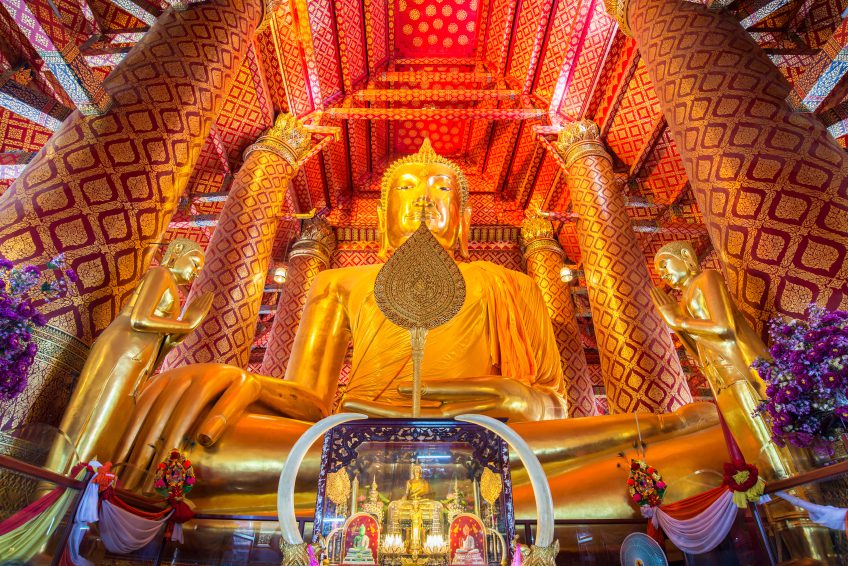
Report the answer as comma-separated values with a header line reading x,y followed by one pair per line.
x,y
130,349
716,333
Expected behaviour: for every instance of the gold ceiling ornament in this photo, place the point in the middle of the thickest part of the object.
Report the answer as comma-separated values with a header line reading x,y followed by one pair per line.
x,y
338,488
618,10
425,155
418,289
578,139
491,486
288,138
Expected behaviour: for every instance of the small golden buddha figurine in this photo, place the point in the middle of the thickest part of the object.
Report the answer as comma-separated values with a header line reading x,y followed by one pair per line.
x,y
129,350
717,334
416,486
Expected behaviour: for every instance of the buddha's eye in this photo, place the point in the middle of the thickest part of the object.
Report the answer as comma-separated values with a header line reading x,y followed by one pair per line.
x,y
446,189
404,187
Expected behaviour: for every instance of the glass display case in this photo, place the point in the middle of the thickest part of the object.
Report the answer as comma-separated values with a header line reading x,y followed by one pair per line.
x,y
403,492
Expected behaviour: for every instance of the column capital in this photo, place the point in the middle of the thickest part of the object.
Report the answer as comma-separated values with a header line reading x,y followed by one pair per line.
x,y
537,234
618,10
579,139
317,240
287,138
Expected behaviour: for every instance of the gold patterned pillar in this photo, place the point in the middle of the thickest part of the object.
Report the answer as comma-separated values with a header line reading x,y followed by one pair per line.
x,y
239,251
543,256
309,256
771,183
640,368
103,188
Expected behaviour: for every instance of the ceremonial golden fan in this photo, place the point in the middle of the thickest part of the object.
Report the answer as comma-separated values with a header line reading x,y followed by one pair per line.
x,y
419,288
490,486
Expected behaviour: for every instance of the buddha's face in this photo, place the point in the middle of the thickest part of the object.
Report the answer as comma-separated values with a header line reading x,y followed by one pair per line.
x,y
428,192
416,473
673,269
186,267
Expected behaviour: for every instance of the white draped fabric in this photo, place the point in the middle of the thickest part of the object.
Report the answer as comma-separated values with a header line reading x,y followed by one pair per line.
x,y
703,532
824,515
122,532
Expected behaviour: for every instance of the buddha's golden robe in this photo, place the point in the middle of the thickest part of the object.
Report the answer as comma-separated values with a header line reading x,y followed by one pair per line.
x,y
503,329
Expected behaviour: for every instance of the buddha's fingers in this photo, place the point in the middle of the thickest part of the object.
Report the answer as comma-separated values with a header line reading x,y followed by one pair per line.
x,y
241,393
145,400
375,408
149,436
194,401
450,410
465,389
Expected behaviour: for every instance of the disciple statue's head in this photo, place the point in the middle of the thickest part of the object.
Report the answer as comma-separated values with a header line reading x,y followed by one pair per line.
x,y
424,187
676,263
184,259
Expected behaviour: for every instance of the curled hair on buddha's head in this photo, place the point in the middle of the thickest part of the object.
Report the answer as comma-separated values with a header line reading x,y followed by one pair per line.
x,y
425,155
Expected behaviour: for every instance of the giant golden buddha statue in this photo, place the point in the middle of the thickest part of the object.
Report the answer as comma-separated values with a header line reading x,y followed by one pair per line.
x,y
497,356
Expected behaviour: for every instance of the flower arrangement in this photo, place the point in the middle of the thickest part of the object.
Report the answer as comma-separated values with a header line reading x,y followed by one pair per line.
x,y
807,380
645,484
744,481
174,476
22,289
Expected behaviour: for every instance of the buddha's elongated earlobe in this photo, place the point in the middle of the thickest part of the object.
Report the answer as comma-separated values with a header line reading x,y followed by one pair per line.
x,y
382,233
464,232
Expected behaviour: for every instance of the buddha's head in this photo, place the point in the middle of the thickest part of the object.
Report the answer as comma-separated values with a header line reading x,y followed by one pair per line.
x,y
676,263
184,259
425,186
416,472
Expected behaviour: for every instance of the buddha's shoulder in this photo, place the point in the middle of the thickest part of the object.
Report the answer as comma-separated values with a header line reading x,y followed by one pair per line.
x,y
495,271
345,278
489,275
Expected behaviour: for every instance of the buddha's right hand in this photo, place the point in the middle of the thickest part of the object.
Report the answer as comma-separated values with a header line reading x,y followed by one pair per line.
x,y
169,406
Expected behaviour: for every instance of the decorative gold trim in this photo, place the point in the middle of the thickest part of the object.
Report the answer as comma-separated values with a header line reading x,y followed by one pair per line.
x,y
537,234
618,10
60,349
580,139
287,138
317,239
542,245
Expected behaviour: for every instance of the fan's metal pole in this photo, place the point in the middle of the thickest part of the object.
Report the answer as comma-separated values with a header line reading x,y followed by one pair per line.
x,y
418,337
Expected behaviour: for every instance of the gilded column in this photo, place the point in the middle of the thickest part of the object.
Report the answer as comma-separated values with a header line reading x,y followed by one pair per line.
x,y
543,256
239,251
103,188
310,255
771,183
640,368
